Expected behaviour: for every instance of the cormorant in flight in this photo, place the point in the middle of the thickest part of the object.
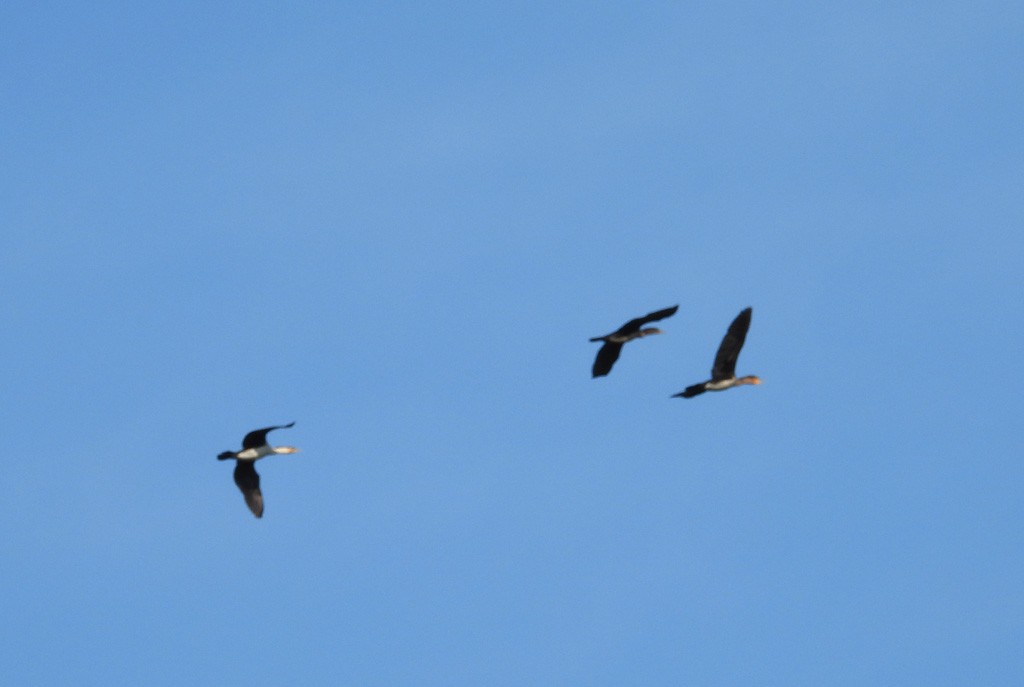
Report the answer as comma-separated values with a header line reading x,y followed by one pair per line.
x,y
723,374
254,447
613,342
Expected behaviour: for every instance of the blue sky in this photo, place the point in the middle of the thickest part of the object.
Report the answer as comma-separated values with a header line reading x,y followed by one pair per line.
x,y
398,224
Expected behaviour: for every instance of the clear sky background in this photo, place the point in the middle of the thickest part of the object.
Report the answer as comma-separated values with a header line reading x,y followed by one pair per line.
x,y
398,224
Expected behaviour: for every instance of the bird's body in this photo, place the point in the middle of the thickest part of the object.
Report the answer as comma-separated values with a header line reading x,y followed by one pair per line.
x,y
252,453
609,352
254,447
723,374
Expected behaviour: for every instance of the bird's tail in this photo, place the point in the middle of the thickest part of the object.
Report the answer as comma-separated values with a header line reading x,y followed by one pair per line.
x,y
225,455
690,391
598,338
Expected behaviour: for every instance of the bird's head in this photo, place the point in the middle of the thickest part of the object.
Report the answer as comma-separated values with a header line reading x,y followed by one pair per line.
x,y
750,379
650,330
285,449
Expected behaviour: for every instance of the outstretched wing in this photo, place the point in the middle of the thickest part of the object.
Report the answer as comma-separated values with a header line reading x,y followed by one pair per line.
x,y
729,350
258,437
248,481
634,325
659,315
606,357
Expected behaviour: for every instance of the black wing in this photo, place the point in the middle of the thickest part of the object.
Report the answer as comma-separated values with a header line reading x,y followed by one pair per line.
x,y
729,350
634,325
248,480
606,357
258,437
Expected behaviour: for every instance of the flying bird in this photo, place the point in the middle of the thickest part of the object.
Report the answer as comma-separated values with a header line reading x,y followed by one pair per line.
x,y
723,374
613,342
254,447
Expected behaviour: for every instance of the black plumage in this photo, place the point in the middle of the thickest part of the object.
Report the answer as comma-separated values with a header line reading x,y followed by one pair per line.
x,y
258,437
254,447
248,481
609,352
723,372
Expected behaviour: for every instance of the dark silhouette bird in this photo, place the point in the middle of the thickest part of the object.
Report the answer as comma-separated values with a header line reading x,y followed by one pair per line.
x,y
613,342
254,447
723,374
